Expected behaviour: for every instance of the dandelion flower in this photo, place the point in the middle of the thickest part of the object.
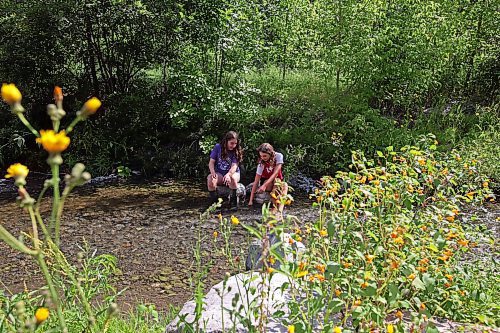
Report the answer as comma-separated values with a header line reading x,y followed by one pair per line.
x,y
53,142
41,315
234,220
17,170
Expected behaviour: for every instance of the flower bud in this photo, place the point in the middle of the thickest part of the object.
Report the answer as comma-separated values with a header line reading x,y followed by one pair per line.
x,y
58,94
55,113
10,94
89,108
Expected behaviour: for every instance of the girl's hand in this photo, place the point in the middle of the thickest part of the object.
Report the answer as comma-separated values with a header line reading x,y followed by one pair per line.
x,y
250,203
261,189
214,175
227,179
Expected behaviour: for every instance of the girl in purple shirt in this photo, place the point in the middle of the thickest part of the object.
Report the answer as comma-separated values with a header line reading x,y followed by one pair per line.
x,y
223,165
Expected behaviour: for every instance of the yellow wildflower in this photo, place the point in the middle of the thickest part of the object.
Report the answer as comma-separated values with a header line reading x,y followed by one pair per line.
x,y
411,276
320,268
302,265
346,264
337,329
399,314
319,277
390,328
17,170
10,94
270,270
323,233
291,329
90,107
450,218
399,240
41,315
272,260
234,220
369,258
337,292
216,234
53,142
302,274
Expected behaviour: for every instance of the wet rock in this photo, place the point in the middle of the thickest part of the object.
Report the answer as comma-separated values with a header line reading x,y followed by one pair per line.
x,y
229,300
259,198
302,183
224,191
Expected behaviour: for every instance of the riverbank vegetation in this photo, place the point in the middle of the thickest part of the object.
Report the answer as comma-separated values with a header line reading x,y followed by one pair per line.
x,y
316,79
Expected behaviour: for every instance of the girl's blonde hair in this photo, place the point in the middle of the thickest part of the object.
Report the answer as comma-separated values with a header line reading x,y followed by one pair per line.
x,y
267,149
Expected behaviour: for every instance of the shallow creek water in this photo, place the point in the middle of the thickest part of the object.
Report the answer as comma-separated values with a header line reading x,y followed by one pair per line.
x,y
152,229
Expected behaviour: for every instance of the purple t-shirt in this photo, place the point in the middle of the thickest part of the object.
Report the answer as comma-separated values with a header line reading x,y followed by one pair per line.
x,y
223,166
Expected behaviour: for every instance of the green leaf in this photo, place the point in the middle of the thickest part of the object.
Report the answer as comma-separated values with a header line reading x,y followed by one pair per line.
x,y
336,305
330,228
433,247
380,154
431,328
332,267
371,290
429,282
393,292
418,284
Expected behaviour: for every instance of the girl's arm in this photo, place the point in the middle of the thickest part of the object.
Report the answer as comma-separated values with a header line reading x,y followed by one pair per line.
x,y
211,167
254,188
227,177
271,179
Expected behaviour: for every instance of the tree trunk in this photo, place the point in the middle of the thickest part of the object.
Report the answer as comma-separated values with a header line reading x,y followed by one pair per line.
x,y
91,56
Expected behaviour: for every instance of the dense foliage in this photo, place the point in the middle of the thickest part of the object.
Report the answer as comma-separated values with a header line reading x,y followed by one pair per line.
x,y
315,78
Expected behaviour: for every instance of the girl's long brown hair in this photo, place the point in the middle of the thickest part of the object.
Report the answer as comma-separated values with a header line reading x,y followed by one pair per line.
x,y
237,150
268,149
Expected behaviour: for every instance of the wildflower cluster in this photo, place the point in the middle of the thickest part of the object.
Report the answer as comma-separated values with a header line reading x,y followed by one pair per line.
x,y
46,243
388,241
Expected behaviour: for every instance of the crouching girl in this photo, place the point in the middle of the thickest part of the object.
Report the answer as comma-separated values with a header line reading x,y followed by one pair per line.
x,y
223,165
269,176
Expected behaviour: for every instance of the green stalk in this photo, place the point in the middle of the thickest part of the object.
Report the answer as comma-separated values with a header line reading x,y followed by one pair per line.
x,y
55,224
56,124
28,125
14,242
67,270
73,124
36,240
52,290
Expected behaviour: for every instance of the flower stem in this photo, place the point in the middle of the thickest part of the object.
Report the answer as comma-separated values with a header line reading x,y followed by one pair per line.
x,y
52,290
55,223
73,124
14,242
28,125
